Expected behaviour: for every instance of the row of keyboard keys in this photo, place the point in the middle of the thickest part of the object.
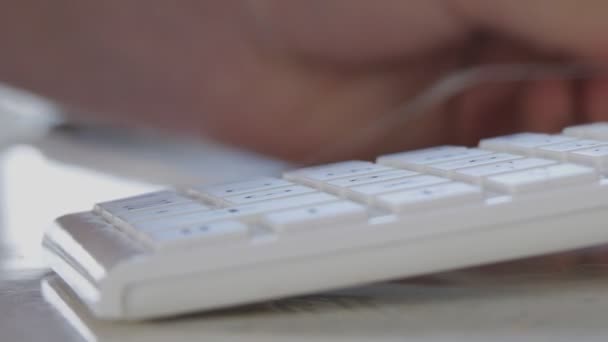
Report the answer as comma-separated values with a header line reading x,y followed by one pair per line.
x,y
402,190
597,131
420,159
139,203
550,177
221,226
522,142
229,225
397,190
230,231
282,205
478,174
317,176
236,212
584,151
449,168
217,193
266,195
341,185
561,151
304,208
511,172
162,211
474,169
509,164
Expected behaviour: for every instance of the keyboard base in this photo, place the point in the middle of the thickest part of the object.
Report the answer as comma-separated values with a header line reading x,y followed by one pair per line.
x,y
198,291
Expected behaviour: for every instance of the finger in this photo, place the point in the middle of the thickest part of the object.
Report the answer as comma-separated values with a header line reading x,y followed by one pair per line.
x,y
486,110
595,100
493,107
547,105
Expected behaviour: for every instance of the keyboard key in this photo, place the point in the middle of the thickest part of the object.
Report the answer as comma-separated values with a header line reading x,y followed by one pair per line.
x,y
339,186
549,177
597,131
577,131
336,213
195,235
162,211
316,176
448,168
266,195
419,159
596,157
477,174
451,194
365,193
522,142
147,201
216,192
560,151
244,211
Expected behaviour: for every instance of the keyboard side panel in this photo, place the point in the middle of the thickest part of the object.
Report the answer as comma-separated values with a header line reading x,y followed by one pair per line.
x,y
85,251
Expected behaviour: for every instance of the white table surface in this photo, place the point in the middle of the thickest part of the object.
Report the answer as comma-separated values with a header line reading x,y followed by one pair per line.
x,y
532,303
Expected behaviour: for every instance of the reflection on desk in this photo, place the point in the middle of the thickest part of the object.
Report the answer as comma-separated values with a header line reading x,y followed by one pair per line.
x,y
551,307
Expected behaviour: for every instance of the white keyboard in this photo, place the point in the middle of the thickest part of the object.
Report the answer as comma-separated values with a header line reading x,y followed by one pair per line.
x,y
336,225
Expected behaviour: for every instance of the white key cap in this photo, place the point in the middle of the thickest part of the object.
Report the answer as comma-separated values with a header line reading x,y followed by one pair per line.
x,y
245,211
542,178
596,157
577,131
267,195
522,142
477,174
339,186
560,151
195,235
365,193
598,131
157,212
217,192
447,168
343,212
419,159
146,201
449,195
316,176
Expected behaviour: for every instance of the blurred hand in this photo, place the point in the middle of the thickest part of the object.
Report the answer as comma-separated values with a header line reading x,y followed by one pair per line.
x,y
291,78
